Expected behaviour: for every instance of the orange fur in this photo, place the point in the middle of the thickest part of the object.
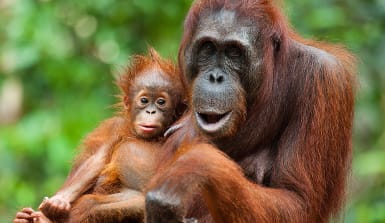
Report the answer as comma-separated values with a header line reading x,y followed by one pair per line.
x,y
114,165
290,159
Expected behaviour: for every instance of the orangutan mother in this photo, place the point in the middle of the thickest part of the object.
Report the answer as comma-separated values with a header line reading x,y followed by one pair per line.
x,y
278,107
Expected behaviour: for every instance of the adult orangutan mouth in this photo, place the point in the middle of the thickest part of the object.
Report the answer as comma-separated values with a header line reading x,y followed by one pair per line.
x,y
212,122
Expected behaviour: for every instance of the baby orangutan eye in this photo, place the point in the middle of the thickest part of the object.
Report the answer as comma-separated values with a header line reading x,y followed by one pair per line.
x,y
161,101
143,100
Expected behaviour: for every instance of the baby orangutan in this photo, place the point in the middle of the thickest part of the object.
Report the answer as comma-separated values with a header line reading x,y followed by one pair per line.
x,y
120,156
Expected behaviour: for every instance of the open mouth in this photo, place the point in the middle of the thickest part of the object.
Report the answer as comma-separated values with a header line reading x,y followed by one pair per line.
x,y
212,122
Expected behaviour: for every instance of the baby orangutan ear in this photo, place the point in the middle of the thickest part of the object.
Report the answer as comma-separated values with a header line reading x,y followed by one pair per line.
x,y
126,102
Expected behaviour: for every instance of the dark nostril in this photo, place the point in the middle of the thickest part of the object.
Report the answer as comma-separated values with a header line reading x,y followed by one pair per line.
x,y
150,112
214,77
220,79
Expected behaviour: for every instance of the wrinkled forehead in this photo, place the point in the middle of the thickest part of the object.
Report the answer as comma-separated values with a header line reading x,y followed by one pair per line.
x,y
225,24
153,79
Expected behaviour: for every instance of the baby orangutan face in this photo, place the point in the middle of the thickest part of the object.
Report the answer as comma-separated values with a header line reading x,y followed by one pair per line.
x,y
153,106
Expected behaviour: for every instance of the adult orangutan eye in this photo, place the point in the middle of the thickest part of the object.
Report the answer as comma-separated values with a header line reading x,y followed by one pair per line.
x,y
207,48
233,52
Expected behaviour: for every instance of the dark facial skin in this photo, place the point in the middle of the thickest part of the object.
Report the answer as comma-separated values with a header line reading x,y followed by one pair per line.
x,y
152,107
218,62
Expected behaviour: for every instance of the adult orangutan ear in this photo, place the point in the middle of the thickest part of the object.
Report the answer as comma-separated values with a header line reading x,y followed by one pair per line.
x,y
276,39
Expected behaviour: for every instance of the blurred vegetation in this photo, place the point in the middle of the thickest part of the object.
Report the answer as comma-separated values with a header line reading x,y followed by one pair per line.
x,y
57,66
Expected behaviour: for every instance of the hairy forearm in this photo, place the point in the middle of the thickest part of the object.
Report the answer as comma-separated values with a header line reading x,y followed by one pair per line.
x,y
253,203
230,197
81,179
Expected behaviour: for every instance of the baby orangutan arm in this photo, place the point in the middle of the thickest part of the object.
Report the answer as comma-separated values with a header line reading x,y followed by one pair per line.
x,y
79,181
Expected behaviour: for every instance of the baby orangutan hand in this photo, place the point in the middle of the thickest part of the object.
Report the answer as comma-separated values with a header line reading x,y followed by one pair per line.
x,y
56,207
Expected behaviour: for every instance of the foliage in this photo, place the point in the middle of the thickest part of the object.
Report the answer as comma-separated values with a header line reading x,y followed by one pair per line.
x,y
59,59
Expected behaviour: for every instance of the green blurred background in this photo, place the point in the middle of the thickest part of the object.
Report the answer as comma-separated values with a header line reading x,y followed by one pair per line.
x,y
58,60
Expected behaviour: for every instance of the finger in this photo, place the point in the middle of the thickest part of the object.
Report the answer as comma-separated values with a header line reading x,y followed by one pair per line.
x,y
20,221
37,214
45,200
27,210
40,218
22,215
48,206
68,207
65,206
42,205
61,205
